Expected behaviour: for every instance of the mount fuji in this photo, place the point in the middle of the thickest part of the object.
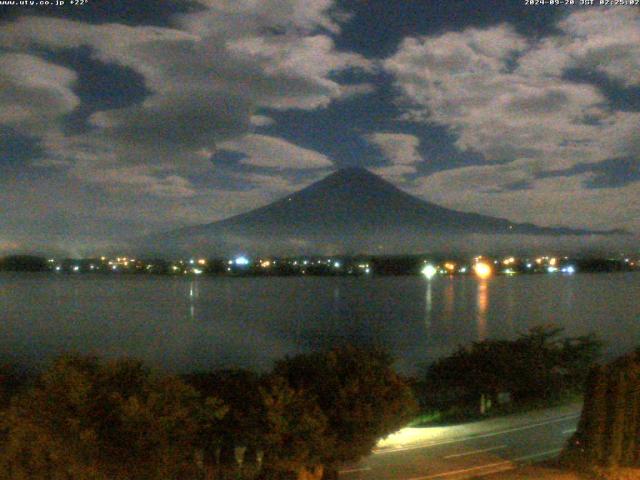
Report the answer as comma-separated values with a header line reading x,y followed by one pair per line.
x,y
354,211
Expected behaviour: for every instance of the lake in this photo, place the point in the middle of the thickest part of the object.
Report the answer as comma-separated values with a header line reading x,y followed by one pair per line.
x,y
185,324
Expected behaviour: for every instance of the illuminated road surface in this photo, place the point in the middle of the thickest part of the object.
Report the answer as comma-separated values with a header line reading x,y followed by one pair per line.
x,y
469,450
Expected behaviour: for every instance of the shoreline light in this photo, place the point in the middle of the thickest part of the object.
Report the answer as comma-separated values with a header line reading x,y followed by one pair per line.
x,y
243,261
482,270
429,271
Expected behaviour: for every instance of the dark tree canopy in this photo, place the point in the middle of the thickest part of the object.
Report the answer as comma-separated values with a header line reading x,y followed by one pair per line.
x,y
24,263
86,419
360,394
537,364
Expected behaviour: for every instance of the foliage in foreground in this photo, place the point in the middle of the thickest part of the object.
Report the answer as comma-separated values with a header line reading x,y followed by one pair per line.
x,y
536,365
609,430
85,419
313,410
359,394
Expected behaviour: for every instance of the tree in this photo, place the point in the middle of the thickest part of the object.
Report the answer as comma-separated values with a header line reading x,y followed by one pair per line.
x,y
24,263
11,382
244,422
296,428
361,396
88,420
535,365
609,427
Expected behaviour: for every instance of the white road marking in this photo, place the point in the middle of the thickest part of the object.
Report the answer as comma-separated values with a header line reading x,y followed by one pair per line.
x,y
473,452
473,437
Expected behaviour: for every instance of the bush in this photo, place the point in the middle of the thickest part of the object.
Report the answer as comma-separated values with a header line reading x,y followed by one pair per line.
x,y
536,365
91,420
361,396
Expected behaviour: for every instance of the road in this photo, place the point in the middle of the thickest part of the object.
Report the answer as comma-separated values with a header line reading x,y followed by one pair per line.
x,y
470,450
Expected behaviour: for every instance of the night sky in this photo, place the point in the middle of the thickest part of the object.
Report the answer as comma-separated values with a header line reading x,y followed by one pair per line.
x,y
120,118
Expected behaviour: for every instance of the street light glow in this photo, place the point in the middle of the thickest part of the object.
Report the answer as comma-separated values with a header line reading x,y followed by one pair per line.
x,y
429,271
482,270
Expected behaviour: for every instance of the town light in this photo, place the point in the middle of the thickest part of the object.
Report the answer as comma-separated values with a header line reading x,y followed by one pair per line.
x,y
482,270
429,271
242,261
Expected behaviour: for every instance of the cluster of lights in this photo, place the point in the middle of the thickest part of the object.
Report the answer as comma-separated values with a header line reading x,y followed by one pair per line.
x,y
481,266
364,267
481,269
509,261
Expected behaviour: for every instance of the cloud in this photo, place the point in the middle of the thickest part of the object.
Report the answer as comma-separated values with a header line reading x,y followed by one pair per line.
x,y
462,80
304,15
395,173
509,99
34,92
401,150
141,180
398,148
208,78
552,201
261,120
275,153
607,41
209,74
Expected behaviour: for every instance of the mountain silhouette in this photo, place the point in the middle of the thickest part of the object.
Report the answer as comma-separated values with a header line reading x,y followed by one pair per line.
x,y
351,210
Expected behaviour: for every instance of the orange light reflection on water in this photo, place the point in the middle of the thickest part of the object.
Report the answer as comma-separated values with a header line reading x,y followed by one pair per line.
x,y
482,306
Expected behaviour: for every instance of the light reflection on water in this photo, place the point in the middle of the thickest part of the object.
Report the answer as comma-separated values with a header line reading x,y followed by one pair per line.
x,y
184,324
482,305
429,306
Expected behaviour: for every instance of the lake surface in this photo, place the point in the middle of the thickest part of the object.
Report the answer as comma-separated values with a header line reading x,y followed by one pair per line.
x,y
184,324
